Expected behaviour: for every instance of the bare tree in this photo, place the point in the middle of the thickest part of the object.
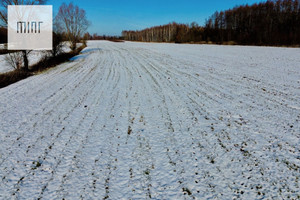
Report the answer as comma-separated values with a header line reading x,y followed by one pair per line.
x,y
58,45
73,21
5,3
3,22
14,59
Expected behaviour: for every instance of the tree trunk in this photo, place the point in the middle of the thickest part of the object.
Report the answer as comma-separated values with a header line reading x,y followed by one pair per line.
x,y
73,45
25,60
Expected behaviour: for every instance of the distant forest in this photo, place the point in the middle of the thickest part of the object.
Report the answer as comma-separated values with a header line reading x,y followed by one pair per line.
x,y
274,22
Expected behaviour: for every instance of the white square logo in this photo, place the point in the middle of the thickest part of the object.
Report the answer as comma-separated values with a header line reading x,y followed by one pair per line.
x,y
29,27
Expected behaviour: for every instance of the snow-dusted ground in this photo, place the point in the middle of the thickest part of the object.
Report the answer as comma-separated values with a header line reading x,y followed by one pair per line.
x,y
162,121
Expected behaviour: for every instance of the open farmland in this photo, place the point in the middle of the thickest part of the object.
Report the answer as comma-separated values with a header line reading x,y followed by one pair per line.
x,y
162,121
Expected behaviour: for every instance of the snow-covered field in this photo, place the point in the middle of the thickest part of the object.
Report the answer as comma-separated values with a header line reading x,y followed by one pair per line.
x,y
161,121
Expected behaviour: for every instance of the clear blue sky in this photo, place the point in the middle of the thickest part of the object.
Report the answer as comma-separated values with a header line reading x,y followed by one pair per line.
x,y
110,17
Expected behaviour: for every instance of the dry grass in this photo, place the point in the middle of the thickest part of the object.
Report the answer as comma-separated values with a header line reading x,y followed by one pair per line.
x,y
229,43
13,77
3,51
115,40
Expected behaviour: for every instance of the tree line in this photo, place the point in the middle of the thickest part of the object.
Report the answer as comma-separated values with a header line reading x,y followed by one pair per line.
x,y
274,22
95,36
172,32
